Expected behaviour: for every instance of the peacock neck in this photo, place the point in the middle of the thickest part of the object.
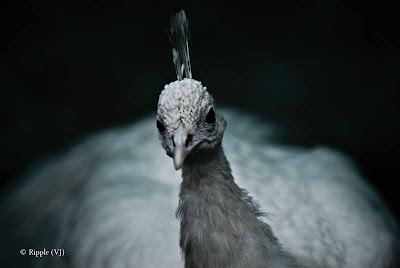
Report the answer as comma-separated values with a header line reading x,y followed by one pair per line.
x,y
220,225
215,213
205,169
208,183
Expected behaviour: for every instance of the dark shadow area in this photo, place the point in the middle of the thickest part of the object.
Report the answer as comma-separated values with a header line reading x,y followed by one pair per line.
x,y
325,73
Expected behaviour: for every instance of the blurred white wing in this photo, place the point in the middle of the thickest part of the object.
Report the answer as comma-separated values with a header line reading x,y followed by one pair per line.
x,y
110,202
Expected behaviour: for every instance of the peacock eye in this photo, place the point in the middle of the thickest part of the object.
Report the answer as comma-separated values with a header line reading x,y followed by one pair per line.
x,y
210,119
160,126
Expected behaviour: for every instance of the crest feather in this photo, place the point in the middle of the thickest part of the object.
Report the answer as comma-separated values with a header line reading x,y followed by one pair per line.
x,y
179,37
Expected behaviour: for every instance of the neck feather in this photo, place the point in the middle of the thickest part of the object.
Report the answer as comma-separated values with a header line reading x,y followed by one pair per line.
x,y
220,222
208,168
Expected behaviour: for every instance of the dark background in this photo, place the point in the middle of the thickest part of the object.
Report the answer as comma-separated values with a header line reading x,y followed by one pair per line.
x,y
327,72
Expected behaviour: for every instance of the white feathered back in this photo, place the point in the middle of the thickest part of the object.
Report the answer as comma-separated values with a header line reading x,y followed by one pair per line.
x,y
110,202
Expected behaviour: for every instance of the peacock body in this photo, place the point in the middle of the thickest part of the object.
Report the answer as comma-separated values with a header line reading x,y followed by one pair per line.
x,y
111,201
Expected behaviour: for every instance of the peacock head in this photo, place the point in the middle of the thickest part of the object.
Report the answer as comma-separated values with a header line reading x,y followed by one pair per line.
x,y
187,121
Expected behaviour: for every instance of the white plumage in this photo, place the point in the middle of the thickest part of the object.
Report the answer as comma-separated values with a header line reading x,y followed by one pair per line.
x,y
111,201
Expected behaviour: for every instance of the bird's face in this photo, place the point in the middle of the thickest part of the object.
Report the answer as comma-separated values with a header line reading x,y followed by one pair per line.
x,y
187,120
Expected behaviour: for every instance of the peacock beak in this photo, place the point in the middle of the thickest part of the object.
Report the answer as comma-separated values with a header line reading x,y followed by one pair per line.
x,y
182,147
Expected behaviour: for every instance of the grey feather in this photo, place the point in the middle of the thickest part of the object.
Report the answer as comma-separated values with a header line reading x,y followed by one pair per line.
x,y
221,225
179,37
